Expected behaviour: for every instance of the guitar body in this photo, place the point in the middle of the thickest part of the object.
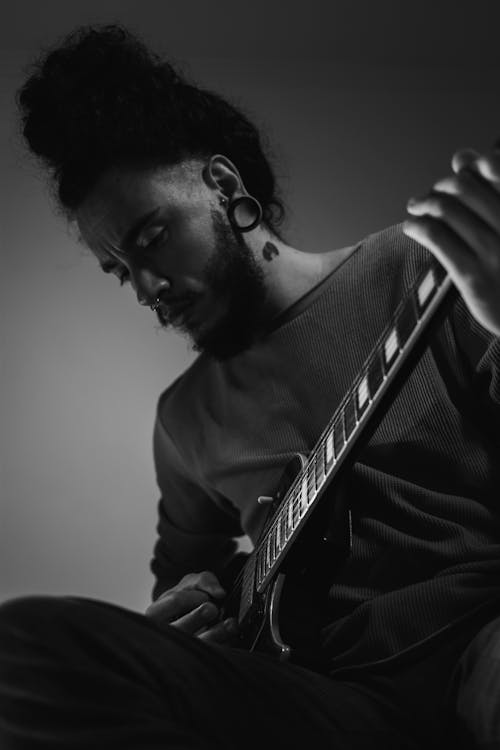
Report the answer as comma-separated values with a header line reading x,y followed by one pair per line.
x,y
261,630
284,619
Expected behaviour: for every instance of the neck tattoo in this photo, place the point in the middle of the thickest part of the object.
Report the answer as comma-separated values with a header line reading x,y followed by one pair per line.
x,y
270,251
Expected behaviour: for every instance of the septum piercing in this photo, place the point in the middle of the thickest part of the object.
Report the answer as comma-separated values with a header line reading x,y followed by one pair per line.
x,y
156,304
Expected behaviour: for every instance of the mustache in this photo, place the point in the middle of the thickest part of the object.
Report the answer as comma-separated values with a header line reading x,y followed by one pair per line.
x,y
170,307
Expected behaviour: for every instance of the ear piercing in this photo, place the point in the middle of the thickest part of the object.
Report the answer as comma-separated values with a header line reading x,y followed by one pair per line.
x,y
251,207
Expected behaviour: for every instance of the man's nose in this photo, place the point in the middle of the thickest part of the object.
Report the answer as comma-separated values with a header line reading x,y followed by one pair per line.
x,y
148,285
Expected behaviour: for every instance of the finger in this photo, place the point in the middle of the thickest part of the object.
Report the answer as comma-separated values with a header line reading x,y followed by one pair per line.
x,y
485,164
173,604
221,633
488,166
474,193
445,245
204,615
205,581
464,157
474,233
211,586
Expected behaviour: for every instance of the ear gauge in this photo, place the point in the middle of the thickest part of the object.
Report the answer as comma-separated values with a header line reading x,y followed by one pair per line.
x,y
244,213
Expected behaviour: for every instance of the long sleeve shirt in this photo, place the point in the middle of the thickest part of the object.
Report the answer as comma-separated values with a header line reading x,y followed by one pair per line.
x,y
424,492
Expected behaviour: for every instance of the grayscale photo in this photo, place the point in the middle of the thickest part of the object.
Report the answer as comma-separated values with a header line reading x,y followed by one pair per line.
x,y
250,375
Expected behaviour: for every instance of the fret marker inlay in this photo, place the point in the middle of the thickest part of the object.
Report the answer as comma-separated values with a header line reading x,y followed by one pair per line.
x,y
329,447
426,287
363,393
391,346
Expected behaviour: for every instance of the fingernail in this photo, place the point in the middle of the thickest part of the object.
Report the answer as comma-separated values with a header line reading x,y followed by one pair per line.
x,y
230,625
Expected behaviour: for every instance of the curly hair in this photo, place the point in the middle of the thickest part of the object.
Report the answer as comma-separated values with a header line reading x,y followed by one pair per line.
x,y
102,99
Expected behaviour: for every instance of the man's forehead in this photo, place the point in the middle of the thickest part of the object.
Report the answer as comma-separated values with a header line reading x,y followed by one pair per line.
x,y
123,195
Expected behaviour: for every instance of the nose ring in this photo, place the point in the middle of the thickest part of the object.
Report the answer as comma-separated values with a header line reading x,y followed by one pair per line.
x,y
155,305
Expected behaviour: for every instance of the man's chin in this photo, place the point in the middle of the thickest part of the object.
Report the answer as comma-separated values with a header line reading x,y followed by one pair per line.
x,y
222,338
221,343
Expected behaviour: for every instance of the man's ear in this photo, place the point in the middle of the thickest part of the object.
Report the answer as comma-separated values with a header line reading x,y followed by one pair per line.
x,y
221,174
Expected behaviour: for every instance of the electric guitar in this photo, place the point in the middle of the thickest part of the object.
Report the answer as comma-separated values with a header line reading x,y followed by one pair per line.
x,y
256,597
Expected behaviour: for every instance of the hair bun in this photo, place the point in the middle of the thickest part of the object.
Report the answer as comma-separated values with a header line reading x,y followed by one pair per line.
x,y
102,99
78,91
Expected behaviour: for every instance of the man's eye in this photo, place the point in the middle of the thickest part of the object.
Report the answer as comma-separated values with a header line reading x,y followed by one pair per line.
x,y
152,235
121,272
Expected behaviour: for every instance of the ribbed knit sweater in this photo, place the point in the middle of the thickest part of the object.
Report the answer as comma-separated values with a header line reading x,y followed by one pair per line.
x,y
424,492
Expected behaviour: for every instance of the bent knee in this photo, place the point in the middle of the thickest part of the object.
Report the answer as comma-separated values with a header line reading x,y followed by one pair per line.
x,y
34,617
31,609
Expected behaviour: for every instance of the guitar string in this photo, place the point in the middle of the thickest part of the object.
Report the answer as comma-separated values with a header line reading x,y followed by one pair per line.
x,y
318,468
338,417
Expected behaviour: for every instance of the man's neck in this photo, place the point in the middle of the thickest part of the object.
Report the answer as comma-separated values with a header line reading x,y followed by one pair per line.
x,y
291,273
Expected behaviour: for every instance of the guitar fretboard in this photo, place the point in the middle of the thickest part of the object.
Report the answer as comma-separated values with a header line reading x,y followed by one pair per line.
x,y
337,440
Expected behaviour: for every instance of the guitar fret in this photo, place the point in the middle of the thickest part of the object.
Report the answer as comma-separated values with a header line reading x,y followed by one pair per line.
x,y
426,289
391,348
362,396
320,467
407,321
338,436
349,417
283,525
375,374
311,480
303,496
329,448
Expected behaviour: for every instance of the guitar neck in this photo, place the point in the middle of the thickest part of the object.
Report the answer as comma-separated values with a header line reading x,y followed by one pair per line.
x,y
411,320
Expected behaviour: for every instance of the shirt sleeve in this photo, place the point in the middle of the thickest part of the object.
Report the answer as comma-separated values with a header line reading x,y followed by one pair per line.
x,y
196,526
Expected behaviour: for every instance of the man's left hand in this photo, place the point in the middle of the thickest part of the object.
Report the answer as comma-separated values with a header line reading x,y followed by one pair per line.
x,y
459,222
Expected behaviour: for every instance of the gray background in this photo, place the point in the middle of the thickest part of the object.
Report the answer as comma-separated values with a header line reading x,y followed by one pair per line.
x,y
363,103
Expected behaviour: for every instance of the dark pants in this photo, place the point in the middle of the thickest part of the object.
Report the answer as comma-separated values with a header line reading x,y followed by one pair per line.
x,y
78,673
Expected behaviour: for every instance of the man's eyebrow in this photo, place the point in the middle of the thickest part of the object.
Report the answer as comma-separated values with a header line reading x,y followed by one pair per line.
x,y
133,233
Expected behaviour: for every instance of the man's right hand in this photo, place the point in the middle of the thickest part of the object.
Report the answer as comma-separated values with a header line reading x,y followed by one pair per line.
x,y
193,605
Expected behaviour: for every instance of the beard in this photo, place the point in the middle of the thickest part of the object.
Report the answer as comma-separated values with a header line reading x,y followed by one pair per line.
x,y
236,284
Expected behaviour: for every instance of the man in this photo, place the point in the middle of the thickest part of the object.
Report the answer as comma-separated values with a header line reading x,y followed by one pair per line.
x,y
171,191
